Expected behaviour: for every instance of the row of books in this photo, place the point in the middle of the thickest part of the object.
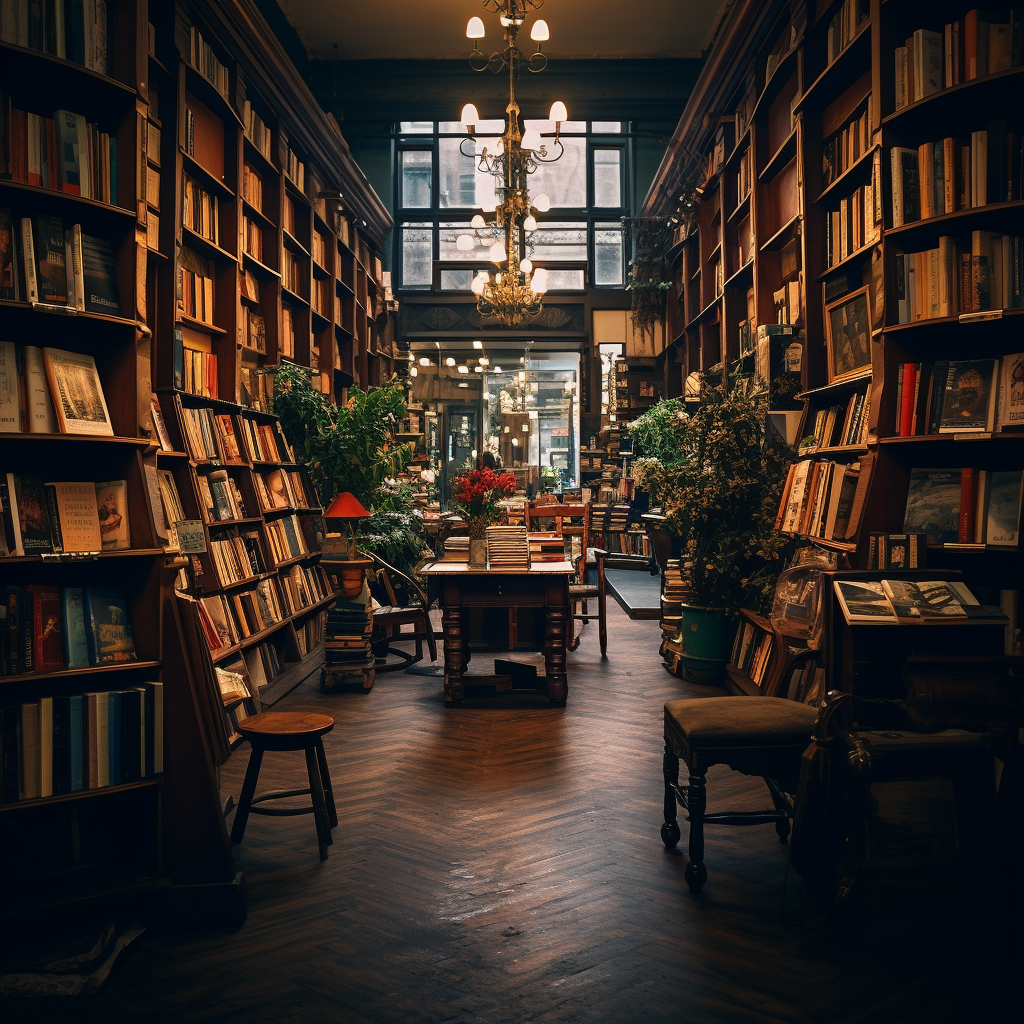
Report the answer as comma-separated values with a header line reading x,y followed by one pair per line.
x,y
252,238
228,619
304,585
255,331
295,170
907,602
46,628
745,176
265,662
838,425
293,272
855,224
66,744
347,648
950,174
195,286
237,556
62,517
265,442
219,496
281,488
44,262
49,391
953,279
210,436
971,47
842,150
844,26
200,210
788,309
319,249
74,30
285,538
63,152
170,506
960,396
897,550
256,130
825,499
252,188
751,651
199,373
207,63
310,633
286,346
965,507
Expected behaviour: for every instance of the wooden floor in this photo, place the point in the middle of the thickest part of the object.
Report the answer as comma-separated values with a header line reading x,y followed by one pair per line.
x,y
501,864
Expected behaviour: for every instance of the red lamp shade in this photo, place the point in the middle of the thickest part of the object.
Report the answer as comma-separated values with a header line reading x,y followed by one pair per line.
x,y
346,506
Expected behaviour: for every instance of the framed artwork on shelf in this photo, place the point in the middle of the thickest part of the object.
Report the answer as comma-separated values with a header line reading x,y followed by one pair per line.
x,y
848,336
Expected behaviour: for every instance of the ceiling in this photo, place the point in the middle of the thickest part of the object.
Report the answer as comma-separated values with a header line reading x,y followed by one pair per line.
x,y
381,29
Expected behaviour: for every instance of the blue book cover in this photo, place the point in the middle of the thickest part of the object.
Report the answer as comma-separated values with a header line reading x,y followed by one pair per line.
x,y
114,728
75,744
76,646
110,631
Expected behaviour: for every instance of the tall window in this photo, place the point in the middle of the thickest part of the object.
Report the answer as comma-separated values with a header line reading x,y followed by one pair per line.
x,y
439,189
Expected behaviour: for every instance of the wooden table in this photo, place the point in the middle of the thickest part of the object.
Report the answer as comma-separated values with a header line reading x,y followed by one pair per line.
x,y
545,585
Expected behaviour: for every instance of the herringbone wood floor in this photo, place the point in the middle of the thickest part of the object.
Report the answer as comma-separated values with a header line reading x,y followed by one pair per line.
x,y
503,864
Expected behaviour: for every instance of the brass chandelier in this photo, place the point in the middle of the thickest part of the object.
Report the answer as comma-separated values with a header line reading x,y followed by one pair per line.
x,y
514,292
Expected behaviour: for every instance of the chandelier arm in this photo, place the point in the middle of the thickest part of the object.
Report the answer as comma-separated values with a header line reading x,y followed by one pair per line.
x,y
472,154
537,61
540,155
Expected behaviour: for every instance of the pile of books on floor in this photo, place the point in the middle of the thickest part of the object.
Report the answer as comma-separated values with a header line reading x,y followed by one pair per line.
x,y
546,547
456,549
675,592
347,649
508,547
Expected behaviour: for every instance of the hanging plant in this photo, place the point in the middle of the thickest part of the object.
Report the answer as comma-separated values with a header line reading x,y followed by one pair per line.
x,y
646,279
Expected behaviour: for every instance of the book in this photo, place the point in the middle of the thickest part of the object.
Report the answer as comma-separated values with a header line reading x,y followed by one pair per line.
x,y
78,515
28,260
922,602
109,630
33,516
10,399
112,509
40,417
968,403
77,393
1002,527
864,602
933,504
76,646
9,285
99,276
50,260
1010,391
47,628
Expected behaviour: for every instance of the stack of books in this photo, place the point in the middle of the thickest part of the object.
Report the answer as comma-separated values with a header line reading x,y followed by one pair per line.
x,y
456,549
508,547
675,591
347,649
547,547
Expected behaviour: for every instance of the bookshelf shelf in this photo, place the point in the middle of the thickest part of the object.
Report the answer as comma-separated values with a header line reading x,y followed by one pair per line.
x,y
69,558
741,209
83,794
258,268
993,214
852,173
837,75
847,260
737,151
980,89
207,247
254,156
741,275
292,243
200,325
64,199
34,308
74,673
294,297
779,158
90,85
207,179
206,91
838,387
783,235
258,216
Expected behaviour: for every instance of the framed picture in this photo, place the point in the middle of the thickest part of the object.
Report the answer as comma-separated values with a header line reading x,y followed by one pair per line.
x,y
848,335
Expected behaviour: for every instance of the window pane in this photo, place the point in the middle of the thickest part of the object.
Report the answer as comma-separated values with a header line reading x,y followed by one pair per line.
x,y
417,256
565,181
548,127
417,165
463,184
456,280
607,178
565,280
559,242
495,126
606,127
607,254
448,238
416,127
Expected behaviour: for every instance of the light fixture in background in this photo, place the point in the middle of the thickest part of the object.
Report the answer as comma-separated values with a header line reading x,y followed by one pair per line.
x,y
424,361
463,368
497,369
478,345
450,361
413,371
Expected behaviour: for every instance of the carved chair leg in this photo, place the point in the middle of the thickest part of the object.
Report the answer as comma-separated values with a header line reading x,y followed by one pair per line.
x,y
696,803
670,769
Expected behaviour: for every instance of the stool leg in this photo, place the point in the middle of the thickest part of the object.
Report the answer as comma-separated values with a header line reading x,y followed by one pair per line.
x,y
316,792
670,830
252,773
696,802
325,779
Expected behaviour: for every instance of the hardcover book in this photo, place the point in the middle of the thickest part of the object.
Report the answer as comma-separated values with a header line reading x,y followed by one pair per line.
x,y
33,518
1011,392
39,414
50,260
47,629
98,270
968,403
864,602
110,631
10,404
1004,504
112,510
76,646
933,504
9,285
77,393
79,520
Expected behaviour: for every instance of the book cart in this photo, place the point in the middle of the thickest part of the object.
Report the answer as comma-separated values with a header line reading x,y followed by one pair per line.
x,y
793,236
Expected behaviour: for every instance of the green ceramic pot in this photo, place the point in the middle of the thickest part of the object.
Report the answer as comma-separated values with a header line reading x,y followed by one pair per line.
x,y
705,639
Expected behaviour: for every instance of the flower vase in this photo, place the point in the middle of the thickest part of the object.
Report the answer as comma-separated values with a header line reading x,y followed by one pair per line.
x,y
477,553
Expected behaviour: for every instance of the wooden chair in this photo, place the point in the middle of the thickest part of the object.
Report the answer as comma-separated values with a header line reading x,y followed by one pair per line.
x,y
288,730
395,615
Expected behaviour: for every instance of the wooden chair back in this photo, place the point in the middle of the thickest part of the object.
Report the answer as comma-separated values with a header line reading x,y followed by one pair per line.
x,y
560,514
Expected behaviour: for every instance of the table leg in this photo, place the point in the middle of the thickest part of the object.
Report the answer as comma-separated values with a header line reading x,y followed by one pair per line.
x,y
556,623
456,656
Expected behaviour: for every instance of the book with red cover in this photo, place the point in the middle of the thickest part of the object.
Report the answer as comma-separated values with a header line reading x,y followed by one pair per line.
x,y
968,497
907,399
47,628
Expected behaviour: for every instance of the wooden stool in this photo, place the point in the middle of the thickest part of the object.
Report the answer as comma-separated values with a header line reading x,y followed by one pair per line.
x,y
763,736
288,730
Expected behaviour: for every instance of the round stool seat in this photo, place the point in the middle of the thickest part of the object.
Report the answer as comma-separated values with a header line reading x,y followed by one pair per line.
x,y
284,730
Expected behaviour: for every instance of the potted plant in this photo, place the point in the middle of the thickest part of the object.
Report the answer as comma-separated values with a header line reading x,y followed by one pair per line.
x,y
721,495
475,497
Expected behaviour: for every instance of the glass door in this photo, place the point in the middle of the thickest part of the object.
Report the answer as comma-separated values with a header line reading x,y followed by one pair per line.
x,y
460,443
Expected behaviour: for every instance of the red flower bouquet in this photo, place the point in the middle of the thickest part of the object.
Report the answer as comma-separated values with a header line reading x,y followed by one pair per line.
x,y
476,495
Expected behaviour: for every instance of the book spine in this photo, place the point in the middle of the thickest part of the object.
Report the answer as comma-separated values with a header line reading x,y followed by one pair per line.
x,y
28,252
968,483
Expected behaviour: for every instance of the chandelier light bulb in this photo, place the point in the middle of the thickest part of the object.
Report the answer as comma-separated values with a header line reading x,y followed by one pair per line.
x,y
477,222
515,442
463,368
531,139
478,345
449,361
496,252
484,361
558,112
539,281
530,224
539,32
478,369
522,376
424,361
526,266
541,203
470,118
497,369
465,243
475,28
413,371
477,285
497,278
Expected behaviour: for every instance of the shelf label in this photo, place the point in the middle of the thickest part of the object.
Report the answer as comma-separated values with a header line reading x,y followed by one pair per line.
x,y
191,537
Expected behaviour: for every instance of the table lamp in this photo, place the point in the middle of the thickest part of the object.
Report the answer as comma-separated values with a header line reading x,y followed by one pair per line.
x,y
346,508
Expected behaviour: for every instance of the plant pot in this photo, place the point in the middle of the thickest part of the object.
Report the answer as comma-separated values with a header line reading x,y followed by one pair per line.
x,y
705,642
478,553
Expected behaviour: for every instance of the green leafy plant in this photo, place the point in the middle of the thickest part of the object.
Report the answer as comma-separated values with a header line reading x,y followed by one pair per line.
x,y
657,438
353,448
722,496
